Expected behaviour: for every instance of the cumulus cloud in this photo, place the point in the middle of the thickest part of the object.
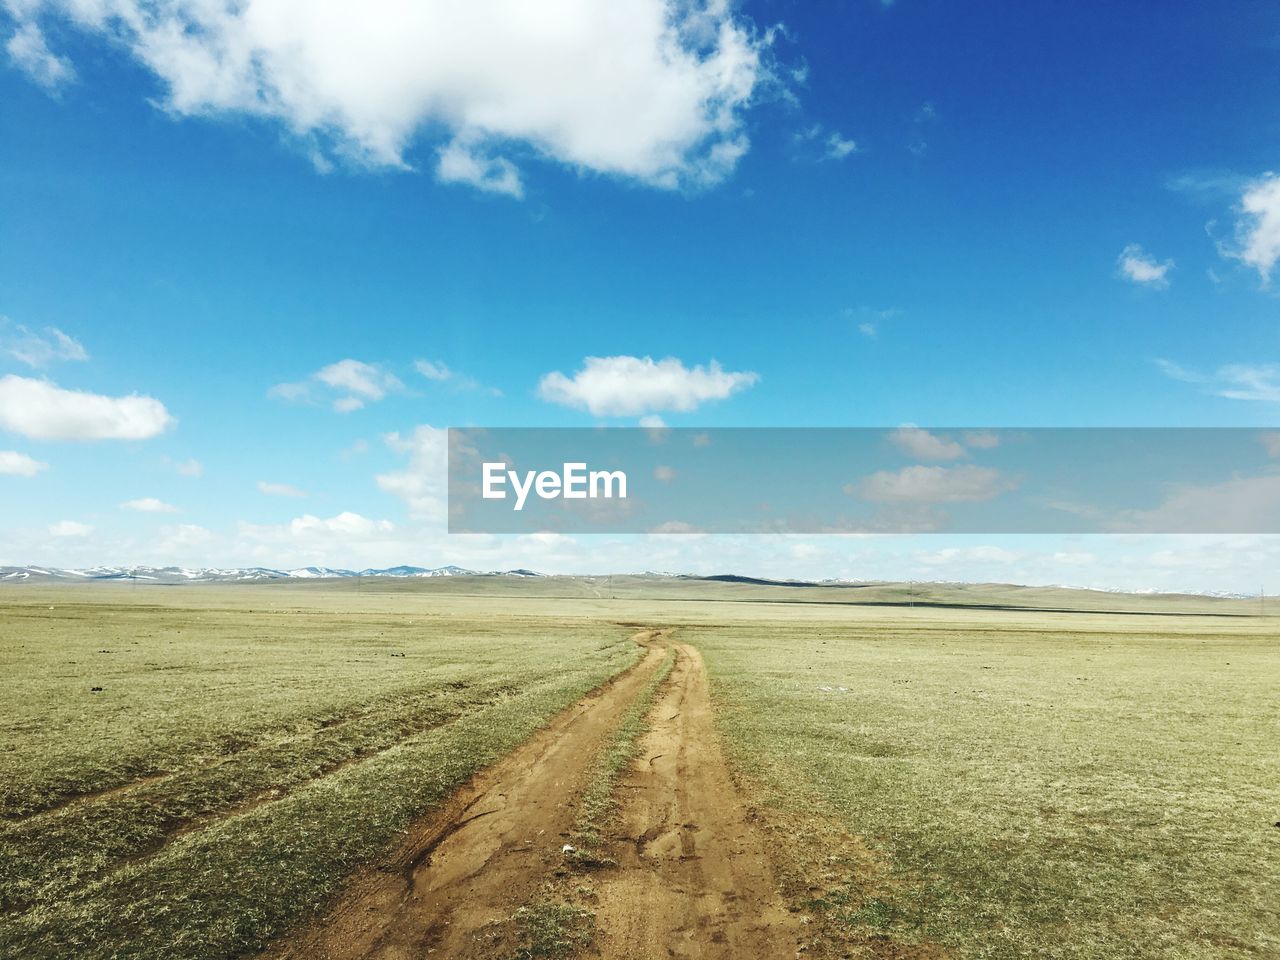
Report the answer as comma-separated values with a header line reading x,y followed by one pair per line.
x,y
1233,381
925,445
921,484
69,528
14,464
190,468
280,489
148,505
651,90
1139,266
423,482
356,382
42,410
37,349
1258,226
630,386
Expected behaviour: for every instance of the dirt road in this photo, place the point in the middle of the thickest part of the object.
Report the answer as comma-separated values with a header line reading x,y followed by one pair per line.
x,y
692,876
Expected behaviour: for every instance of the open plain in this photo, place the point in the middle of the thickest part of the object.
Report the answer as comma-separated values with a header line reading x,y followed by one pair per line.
x,y
636,767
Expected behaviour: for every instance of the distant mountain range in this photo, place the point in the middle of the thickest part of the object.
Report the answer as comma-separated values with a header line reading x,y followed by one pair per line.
x,y
35,574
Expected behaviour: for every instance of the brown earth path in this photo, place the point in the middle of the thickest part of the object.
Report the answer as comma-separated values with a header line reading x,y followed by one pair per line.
x,y
691,880
693,877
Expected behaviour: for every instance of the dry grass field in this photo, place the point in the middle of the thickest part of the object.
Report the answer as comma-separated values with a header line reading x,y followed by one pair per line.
x,y
390,768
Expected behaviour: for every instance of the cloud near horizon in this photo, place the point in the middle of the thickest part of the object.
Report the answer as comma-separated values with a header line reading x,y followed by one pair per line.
x,y
649,90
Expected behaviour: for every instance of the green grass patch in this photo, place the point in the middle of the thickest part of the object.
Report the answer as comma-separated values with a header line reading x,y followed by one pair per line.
x,y
550,931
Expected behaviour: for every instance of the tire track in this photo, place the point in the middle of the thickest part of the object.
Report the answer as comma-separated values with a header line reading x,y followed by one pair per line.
x,y
474,862
690,878
693,878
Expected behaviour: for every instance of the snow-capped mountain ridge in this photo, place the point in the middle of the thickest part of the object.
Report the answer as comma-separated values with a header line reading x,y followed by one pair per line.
x,y
174,575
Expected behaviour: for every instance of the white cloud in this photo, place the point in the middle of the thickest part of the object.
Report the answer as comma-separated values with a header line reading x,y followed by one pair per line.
x,y
461,162
14,464
1233,381
183,538
423,483
42,410
357,382
1139,266
981,439
190,468
651,90
1238,505
925,445
921,484
360,379
816,143
440,372
148,505
867,329
38,349
69,528
985,553
1258,226
433,370
280,489
344,524
31,54
1075,558
328,540
631,386
838,147
664,473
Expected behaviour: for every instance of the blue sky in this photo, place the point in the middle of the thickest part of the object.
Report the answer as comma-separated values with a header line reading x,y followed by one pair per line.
x,y
943,214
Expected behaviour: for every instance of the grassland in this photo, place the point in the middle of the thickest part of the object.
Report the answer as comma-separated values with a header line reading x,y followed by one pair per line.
x,y
1008,785
239,760
977,775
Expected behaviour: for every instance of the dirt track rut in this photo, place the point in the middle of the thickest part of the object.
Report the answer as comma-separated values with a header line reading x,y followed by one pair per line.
x,y
692,877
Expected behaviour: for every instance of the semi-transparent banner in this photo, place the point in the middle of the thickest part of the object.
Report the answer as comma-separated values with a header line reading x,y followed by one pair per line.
x,y
863,480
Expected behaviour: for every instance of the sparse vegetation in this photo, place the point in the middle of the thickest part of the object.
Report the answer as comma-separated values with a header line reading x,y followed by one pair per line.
x,y
598,801
552,930
190,772
239,763
1007,785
